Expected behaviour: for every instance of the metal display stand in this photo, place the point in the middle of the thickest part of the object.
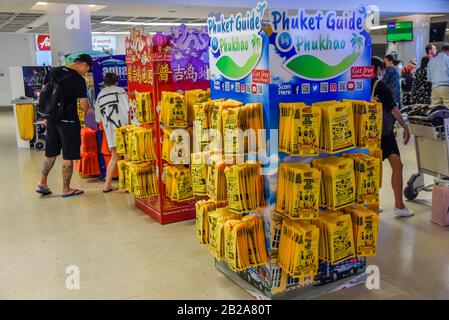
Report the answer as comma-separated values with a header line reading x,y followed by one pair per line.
x,y
313,290
273,81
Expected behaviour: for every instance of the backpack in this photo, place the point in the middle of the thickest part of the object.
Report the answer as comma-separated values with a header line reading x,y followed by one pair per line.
x,y
51,98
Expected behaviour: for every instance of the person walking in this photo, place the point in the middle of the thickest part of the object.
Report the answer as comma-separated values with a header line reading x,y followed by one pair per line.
x,y
64,133
392,79
112,110
421,88
438,75
390,150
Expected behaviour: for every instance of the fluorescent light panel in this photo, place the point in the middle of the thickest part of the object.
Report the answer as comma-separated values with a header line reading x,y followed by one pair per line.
x,y
379,27
116,32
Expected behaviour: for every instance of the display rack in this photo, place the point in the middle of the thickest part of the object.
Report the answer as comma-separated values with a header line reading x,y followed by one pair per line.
x,y
266,69
177,61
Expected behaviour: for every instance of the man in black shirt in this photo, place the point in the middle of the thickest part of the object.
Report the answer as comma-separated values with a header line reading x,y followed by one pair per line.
x,y
390,150
65,134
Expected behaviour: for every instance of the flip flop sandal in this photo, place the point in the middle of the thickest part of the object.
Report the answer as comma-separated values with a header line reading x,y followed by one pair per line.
x,y
110,190
43,191
74,193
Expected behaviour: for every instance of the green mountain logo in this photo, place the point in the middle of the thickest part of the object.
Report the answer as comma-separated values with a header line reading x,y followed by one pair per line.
x,y
313,68
231,70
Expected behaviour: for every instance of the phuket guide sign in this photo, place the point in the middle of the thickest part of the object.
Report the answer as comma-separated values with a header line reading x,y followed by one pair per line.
x,y
236,43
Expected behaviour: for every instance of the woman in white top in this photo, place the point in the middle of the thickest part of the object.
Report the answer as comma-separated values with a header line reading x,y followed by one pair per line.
x,y
111,109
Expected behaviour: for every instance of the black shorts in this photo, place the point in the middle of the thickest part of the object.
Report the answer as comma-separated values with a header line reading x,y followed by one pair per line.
x,y
389,145
66,136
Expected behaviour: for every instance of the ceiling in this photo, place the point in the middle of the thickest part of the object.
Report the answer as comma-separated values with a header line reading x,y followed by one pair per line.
x,y
23,16
25,23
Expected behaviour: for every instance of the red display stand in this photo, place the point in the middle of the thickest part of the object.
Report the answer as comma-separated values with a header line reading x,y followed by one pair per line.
x,y
168,65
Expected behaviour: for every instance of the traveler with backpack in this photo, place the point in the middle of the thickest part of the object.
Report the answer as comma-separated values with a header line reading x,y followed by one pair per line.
x,y
390,150
58,105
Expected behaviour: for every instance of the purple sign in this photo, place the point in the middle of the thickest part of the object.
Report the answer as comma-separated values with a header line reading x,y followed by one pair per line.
x,y
190,53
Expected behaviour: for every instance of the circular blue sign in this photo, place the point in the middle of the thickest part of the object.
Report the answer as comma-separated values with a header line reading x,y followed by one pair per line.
x,y
214,44
284,41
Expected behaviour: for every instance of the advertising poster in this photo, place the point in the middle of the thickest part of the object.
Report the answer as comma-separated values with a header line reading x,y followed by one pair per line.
x,y
319,56
306,57
103,65
33,80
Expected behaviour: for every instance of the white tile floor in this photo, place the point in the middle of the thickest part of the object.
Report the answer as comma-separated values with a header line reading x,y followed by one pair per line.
x,y
124,254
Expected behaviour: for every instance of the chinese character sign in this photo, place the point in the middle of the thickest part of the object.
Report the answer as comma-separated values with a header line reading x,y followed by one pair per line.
x,y
139,61
189,54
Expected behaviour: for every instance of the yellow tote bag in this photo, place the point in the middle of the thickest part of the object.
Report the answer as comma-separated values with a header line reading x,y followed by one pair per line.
x,y
25,119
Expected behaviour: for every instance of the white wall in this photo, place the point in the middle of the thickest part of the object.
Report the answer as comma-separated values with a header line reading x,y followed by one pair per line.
x,y
120,43
17,50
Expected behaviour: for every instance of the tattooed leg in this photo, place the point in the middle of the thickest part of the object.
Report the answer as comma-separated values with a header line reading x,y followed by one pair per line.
x,y
67,171
46,168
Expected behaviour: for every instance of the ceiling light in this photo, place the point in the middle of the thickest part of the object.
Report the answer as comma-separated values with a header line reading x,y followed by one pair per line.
x,y
116,32
135,23
379,27
41,3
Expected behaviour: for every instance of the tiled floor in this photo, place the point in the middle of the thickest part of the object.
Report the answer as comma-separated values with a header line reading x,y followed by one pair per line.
x,y
124,254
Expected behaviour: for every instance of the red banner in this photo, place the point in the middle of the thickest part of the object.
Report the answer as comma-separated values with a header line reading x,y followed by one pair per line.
x,y
139,62
261,76
362,72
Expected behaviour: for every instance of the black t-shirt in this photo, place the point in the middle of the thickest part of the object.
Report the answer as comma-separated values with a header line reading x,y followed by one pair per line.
x,y
382,93
73,87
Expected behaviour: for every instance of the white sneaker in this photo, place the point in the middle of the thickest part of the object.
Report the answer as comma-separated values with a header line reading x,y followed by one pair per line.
x,y
405,212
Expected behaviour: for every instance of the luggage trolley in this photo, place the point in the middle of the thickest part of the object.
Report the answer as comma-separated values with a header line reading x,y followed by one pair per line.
x,y
430,126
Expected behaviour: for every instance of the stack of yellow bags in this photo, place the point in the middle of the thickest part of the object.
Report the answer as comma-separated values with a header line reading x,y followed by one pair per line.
x,y
216,123
141,144
337,126
144,107
203,208
137,178
193,97
121,139
367,178
338,181
299,129
178,182
198,168
175,144
173,112
216,179
244,242
299,249
201,124
217,219
137,143
298,193
236,121
365,224
244,184
368,123
336,237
